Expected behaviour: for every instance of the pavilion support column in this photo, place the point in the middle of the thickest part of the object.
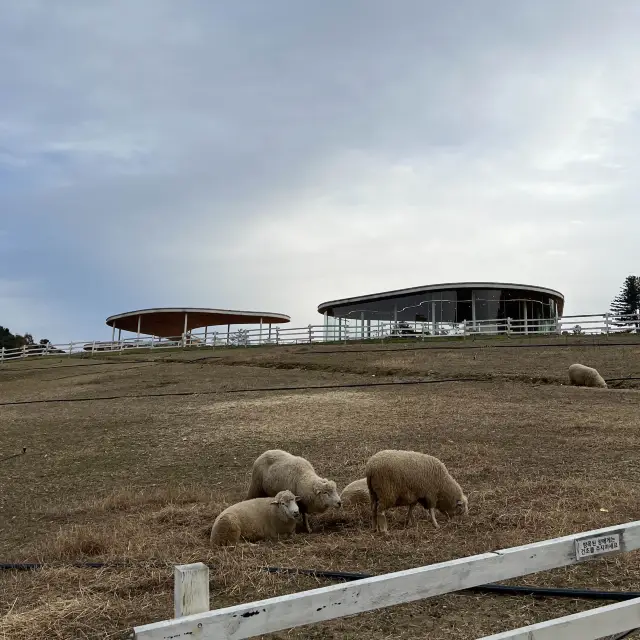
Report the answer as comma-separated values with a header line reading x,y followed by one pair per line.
x,y
526,319
473,309
269,332
205,335
260,336
228,332
184,331
362,325
326,326
119,335
138,337
113,334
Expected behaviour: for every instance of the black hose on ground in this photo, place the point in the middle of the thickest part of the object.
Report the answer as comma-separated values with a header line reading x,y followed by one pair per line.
x,y
15,455
168,394
498,589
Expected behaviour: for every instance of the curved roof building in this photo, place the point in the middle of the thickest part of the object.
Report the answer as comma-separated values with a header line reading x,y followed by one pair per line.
x,y
451,303
169,322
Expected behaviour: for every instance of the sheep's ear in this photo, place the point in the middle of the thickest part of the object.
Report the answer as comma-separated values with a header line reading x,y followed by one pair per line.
x,y
297,498
274,502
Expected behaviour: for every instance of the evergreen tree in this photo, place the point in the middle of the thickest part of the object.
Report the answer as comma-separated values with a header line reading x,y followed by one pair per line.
x,y
627,303
8,340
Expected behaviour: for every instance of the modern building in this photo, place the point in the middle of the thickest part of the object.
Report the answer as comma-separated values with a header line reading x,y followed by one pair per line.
x,y
486,306
172,322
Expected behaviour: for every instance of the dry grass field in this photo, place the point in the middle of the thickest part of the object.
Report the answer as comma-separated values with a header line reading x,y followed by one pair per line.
x,y
140,479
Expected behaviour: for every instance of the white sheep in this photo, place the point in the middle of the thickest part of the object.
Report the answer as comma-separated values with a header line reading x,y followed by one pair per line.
x,y
257,519
276,470
355,493
583,376
406,478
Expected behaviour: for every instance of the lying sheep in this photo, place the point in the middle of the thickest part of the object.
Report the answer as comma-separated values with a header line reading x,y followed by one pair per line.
x,y
257,519
583,376
355,493
276,470
399,478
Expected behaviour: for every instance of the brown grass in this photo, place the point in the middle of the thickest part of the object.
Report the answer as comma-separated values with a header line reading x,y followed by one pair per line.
x,y
139,481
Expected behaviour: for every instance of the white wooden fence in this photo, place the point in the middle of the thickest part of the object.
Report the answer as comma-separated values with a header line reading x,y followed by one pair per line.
x,y
340,331
336,601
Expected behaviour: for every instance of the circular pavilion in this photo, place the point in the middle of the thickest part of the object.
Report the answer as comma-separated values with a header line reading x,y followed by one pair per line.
x,y
476,303
171,322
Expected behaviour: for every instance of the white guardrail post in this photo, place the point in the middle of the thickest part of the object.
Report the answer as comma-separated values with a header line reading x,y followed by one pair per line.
x,y
191,589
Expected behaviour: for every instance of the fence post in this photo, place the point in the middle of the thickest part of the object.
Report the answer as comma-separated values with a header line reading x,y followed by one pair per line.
x,y
215,337
606,323
93,348
509,327
2,355
277,335
190,589
70,348
464,329
24,350
310,337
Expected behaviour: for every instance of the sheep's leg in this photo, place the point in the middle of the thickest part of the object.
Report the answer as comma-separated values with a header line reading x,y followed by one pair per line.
x,y
408,519
305,520
381,522
432,513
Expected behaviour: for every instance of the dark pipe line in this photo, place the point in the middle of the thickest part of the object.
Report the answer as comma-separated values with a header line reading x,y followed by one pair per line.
x,y
260,389
15,455
589,594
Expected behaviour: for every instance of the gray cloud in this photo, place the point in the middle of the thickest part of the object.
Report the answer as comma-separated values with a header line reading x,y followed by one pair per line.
x,y
274,155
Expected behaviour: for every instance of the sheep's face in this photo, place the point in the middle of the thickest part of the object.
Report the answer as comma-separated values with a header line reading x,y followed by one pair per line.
x,y
286,502
459,507
326,494
462,506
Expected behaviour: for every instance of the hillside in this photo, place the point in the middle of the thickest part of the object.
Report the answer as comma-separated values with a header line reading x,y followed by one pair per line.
x,y
131,457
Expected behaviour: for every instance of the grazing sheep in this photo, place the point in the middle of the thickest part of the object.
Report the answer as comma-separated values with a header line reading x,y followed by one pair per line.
x,y
276,470
584,376
256,519
399,478
356,493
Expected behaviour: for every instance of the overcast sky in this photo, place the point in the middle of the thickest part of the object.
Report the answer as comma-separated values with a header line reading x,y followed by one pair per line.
x,y
274,155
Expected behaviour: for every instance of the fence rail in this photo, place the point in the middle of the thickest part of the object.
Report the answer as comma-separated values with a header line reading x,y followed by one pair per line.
x,y
342,330
336,601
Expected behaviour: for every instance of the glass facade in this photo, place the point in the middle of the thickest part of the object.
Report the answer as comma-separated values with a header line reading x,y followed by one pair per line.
x,y
455,306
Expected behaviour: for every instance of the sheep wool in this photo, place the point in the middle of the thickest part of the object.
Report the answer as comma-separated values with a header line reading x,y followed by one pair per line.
x,y
276,470
257,519
583,376
406,478
355,493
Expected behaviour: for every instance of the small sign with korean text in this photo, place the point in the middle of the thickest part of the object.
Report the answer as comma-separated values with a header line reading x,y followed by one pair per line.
x,y
599,545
